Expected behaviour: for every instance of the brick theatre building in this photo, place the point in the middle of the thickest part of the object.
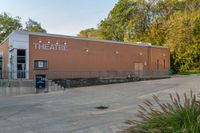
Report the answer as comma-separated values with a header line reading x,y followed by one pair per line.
x,y
23,55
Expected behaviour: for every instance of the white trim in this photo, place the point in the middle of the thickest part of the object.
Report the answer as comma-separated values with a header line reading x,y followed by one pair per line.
x,y
27,64
18,40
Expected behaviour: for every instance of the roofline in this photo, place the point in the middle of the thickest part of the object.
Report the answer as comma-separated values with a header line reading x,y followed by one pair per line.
x,y
77,38
7,38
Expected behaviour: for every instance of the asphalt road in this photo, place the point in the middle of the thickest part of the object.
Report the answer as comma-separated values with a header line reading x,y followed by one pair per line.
x,y
73,111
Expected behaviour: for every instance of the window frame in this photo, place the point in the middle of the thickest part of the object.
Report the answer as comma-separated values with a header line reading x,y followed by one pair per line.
x,y
40,68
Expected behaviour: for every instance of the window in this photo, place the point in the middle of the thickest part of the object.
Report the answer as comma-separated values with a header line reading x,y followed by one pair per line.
x,y
40,64
21,63
21,53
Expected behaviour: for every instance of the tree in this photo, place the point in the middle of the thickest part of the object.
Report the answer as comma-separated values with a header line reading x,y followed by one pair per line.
x,y
128,20
120,21
34,26
89,33
183,41
114,26
8,24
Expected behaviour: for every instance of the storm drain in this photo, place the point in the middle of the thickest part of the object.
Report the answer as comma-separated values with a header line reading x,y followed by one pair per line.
x,y
102,107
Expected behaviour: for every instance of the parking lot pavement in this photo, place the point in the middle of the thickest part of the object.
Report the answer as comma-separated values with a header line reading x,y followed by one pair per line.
x,y
74,111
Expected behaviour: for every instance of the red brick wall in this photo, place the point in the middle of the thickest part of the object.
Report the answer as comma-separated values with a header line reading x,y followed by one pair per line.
x,y
100,57
4,49
160,56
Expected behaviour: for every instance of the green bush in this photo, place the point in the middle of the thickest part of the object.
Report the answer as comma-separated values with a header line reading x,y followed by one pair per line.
x,y
179,116
190,72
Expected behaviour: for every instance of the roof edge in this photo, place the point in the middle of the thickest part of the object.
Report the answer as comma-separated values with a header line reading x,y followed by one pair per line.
x,y
77,38
7,37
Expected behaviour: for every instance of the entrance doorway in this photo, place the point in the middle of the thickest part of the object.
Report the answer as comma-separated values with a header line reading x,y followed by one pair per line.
x,y
21,64
139,69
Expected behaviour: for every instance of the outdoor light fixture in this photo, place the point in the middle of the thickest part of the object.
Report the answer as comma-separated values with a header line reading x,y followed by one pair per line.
x,y
48,42
87,50
57,43
65,43
164,54
141,53
40,41
116,52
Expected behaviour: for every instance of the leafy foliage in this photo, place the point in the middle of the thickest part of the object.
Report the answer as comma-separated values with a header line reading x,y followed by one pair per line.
x,y
127,21
34,26
178,116
183,41
89,33
8,24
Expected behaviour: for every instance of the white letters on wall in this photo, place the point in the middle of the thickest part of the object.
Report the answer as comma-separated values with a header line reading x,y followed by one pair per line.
x,y
53,47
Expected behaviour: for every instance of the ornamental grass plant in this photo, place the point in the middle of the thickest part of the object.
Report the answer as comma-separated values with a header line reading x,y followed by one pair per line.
x,y
180,115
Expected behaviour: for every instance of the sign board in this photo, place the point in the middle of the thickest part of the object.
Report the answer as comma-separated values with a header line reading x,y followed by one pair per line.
x,y
40,82
51,46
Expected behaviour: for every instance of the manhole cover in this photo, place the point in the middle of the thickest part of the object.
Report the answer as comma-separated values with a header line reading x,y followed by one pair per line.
x,y
102,107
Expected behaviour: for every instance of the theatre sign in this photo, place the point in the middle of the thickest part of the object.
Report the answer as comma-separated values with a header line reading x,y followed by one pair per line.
x,y
51,46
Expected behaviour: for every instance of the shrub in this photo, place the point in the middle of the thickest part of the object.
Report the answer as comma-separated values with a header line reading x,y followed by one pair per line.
x,y
178,116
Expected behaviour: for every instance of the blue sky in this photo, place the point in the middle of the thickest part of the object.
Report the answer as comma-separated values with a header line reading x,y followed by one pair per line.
x,y
60,16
